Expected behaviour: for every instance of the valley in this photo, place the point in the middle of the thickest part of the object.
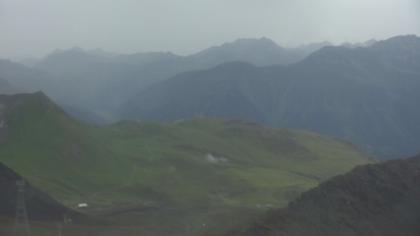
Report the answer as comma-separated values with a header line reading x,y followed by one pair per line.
x,y
197,168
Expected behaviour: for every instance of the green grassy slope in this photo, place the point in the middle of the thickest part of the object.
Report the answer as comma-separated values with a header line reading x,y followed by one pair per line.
x,y
196,163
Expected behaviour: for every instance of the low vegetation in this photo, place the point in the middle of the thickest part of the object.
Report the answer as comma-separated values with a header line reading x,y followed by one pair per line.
x,y
197,168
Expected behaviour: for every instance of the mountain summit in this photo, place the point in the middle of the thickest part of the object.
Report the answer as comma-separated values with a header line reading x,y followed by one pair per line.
x,y
260,52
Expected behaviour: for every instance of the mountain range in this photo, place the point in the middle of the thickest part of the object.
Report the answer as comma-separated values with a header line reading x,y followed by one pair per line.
x,y
367,95
104,81
364,93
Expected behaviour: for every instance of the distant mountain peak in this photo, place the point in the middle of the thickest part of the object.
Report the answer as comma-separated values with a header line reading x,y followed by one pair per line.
x,y
258,51
397,47
312,47
61,53
262,40
400,42
251,42
66,50
405,38
359,45
78,51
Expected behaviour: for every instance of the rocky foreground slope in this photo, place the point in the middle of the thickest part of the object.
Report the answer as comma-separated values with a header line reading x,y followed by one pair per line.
x,y
381,199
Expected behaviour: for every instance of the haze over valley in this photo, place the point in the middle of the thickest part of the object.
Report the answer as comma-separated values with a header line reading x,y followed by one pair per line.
x,y
209,118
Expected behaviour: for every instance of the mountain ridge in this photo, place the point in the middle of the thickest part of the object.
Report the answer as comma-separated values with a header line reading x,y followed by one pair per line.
x,y
320,93
104,81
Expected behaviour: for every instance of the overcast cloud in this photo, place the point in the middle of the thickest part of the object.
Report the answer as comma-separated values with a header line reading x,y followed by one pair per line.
x,y
35,27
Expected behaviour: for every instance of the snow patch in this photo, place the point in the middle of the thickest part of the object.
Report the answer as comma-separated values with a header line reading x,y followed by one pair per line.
x,y
215,160
82,205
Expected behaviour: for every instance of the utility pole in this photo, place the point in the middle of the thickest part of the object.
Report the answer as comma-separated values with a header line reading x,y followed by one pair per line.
x,y
21,220
60,229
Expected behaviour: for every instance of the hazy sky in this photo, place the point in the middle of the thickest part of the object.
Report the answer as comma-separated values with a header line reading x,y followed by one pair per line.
x,y
35,27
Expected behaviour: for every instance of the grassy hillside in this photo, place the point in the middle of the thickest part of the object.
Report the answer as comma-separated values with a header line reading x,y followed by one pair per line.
x,y
199,163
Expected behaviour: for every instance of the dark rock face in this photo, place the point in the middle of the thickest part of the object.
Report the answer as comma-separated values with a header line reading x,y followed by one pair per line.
x,y
382,199
39,205
3,124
